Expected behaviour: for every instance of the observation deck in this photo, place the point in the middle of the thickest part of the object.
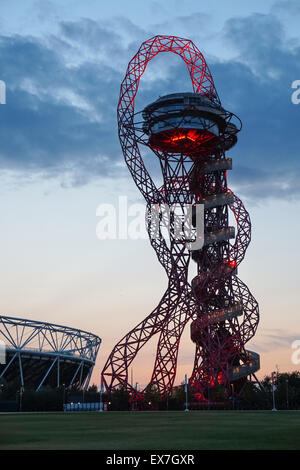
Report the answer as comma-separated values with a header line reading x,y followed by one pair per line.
x,y
188,123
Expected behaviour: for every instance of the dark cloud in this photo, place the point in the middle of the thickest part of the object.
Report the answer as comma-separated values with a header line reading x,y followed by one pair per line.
x,y
58,117
257,87
287,7
62,93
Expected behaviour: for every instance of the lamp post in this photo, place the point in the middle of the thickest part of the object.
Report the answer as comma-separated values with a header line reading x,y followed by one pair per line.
x,y
273,392
186,393
21,396
287,393
101,391
64,396
232,395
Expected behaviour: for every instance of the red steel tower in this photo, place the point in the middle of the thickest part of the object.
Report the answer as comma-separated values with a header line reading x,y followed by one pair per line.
x,y
190,134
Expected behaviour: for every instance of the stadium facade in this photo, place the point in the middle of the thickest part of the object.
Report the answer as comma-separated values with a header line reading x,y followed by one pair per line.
x,y
39,354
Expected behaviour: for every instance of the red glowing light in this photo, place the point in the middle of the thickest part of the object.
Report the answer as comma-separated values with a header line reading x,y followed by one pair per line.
x,y
189,142
192,135
220,378
138,396
199,397
232,263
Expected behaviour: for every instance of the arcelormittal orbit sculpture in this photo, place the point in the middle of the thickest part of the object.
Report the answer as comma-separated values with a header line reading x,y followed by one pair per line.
x,y
189,134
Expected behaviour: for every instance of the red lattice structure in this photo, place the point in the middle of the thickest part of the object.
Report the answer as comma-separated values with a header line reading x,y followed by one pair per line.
x,y
190,134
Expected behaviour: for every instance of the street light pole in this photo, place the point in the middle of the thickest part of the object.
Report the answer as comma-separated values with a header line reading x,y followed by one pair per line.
x,y
273,393
21,397
64,396
101,391
186,393
232,396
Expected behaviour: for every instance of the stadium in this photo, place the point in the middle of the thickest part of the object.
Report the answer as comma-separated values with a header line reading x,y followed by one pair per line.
x,y
39,354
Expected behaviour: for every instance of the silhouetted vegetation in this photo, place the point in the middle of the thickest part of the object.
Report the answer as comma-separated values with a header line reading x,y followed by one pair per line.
x,y
287,393
287,396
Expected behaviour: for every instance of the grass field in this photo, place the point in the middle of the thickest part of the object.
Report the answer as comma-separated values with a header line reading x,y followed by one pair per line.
x,y
152,430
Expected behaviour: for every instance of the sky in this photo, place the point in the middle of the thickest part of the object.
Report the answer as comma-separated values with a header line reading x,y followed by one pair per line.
x,y
60,159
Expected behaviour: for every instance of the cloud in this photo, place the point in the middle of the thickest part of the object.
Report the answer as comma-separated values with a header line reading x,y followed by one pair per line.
x,y
62,92
290,7
273,339
58,117
198,23
257,87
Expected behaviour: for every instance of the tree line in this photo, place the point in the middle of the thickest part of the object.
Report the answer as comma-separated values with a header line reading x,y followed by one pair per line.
x,y
286,394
